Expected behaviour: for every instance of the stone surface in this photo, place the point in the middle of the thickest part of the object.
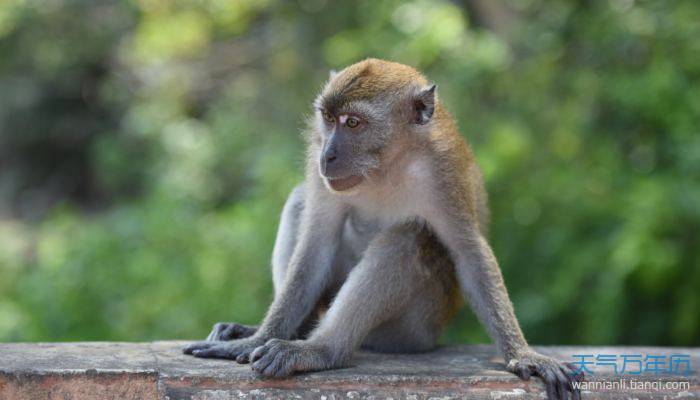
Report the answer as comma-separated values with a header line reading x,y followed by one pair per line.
x,y
160,371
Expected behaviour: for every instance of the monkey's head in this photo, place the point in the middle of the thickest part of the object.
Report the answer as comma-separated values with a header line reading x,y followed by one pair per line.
x,y
362,113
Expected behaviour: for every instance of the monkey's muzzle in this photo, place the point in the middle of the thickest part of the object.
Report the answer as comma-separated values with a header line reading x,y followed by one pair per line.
x,y
342,184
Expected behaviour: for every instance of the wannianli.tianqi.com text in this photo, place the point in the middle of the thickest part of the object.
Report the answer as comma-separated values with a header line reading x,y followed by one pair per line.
x,y
624,384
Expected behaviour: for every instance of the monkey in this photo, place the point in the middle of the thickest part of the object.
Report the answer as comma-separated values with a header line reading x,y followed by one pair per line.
x,y
380,243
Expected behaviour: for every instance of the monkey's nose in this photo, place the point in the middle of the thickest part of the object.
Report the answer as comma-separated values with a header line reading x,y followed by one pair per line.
x,y
330,156
328,160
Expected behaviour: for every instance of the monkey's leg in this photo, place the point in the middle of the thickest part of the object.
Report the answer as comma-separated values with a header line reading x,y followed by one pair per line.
x,y
418,328
379,288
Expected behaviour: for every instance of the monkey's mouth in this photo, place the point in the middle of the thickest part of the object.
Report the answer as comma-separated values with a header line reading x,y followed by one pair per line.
x,y
342,184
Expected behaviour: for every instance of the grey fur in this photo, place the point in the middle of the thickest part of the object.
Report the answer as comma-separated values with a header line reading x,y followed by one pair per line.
x,y
412,286
380,263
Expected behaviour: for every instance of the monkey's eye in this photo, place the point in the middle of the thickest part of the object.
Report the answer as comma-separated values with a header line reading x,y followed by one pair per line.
x,y
327,116
352,122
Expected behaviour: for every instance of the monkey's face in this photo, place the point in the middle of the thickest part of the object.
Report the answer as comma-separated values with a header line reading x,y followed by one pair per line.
x,y
361,110
353,137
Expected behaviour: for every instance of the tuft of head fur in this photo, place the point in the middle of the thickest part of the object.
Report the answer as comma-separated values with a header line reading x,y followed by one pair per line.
x,y
368,80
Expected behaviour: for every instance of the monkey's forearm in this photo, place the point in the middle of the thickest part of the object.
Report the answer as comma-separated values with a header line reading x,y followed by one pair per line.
x,y
481,280
308,271
482,283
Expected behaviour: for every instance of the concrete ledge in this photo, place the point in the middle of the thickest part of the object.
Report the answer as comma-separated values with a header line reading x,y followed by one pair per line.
x,y
158,370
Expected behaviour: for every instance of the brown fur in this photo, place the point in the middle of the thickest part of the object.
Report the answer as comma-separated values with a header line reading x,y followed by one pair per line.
x,y
368,80
391,222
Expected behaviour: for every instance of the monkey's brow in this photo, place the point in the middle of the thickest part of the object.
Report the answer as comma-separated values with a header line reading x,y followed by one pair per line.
x,y
338,108
331,104
357,107
336,103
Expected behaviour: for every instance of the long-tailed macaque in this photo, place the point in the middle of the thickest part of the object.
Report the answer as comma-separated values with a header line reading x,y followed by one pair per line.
x,y
374,248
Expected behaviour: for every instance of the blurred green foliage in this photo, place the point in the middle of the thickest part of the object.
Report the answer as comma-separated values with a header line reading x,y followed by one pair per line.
x,y
147,146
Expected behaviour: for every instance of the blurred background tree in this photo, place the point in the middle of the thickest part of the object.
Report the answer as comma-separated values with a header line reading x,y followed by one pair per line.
x,y
147,146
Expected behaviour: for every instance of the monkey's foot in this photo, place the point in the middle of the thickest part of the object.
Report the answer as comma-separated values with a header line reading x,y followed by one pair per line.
x,y
558,377
230,331
280,358
238,350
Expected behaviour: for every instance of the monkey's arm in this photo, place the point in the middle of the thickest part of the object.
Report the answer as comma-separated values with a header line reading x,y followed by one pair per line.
x,y
306,279
310,266
482,283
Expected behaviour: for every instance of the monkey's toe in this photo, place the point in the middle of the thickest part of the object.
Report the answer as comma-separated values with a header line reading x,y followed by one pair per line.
x,y
217,351
223,331
189,349
233,350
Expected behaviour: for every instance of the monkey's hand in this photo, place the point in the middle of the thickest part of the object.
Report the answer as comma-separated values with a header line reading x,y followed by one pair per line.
x,y
230,331
279,358
238,350
558,377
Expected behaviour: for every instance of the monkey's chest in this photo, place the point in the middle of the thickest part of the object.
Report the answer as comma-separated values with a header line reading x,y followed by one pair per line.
x,y
358,231
355,238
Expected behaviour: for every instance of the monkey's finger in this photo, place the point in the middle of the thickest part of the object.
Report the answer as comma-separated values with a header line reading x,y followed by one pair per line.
x,y
213,335
213,352
285,369
570,376
276,367
562,384
577,374
575,394
567,374
228,332
264,360
243,358
197,346
208,353
245,331
235,331
550,384
574,376
225,332
259,352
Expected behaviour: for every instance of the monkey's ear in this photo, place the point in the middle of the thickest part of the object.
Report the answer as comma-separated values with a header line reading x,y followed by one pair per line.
x,y
424,105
